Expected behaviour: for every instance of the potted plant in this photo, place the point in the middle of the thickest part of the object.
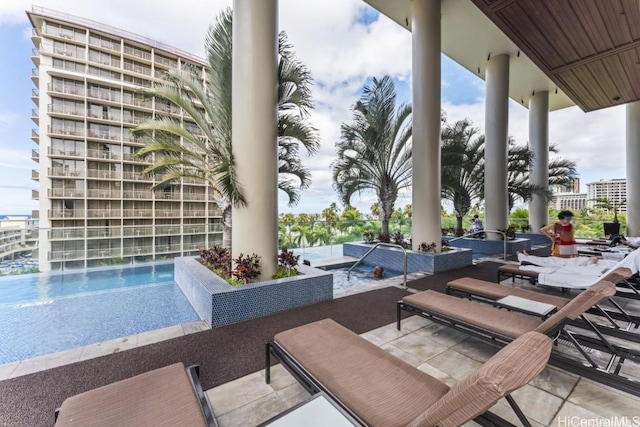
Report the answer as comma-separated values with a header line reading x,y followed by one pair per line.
x,y
612,227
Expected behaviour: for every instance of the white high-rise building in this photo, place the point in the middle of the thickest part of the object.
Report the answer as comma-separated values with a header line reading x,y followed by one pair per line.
x,y
615,190
95,204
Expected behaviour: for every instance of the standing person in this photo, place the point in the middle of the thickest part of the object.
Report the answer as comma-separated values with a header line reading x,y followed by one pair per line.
x,y
477,225
561,234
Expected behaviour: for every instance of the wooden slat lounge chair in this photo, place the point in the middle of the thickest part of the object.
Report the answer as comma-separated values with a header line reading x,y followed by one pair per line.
x,y
378,389
171,396
487,291
499,326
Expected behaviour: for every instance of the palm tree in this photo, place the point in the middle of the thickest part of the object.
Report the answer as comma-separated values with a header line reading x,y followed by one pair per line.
x,y
205,152
610,205
374,152
462,167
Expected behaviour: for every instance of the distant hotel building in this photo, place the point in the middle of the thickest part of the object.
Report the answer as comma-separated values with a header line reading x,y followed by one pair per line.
x,y
615,190
95,205
568,196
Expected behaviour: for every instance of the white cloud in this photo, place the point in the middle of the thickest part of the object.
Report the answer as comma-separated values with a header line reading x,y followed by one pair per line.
x,y
341,53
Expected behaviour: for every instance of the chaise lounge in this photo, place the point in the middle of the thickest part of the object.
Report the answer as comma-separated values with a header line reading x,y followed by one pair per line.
x,y
500,326
168,396
378,389
482,290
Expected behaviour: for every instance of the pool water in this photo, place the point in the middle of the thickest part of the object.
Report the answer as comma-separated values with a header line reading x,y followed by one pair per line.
x,y
42,314
361,275
36,288
46,313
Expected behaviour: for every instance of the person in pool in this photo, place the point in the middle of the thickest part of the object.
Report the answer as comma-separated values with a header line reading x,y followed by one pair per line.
x,y
378,272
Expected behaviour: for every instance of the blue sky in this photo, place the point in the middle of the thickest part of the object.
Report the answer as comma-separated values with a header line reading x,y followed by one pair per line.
x,y
343,42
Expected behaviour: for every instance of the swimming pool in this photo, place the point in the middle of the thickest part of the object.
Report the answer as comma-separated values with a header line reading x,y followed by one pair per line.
x,y
47,313
359,277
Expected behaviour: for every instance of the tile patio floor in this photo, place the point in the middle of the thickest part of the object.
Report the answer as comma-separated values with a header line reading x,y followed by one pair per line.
x,y
554,398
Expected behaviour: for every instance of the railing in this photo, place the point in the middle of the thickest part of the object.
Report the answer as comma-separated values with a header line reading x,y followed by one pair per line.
x,y
502,233
372,249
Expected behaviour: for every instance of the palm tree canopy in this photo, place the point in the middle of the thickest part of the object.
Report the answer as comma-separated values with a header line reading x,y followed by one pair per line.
x,y
374,151
463,151
207,153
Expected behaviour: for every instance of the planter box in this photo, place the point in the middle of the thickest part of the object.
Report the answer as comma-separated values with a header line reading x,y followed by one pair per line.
x,y
393,258
221,304
486,246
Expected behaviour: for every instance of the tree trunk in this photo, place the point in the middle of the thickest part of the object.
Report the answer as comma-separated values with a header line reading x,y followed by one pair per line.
x,y
226,227
459,231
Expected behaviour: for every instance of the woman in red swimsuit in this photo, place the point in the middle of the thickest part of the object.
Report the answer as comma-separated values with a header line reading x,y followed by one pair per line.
x,y
561,234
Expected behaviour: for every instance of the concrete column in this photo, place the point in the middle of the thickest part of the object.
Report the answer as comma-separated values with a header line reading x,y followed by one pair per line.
x,y
426,50
633,169
254,127
496,135
539,144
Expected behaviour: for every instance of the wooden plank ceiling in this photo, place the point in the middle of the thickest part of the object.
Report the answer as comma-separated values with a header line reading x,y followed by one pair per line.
x,y
589,48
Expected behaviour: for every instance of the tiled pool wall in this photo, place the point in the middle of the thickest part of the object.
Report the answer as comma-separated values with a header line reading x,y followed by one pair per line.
x,y
393,258
219,303
486,246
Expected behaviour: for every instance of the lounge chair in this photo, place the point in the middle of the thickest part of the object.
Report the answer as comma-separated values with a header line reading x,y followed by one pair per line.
x,y
482,290
169,396
378,389
628,286
499,327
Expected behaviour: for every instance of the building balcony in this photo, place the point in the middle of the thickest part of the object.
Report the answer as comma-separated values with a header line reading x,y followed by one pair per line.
x,y
35,57
104,232
35,155
57,152
137,53
35,116
35,195
66,213
138,231
35,175
35,36
65,110
104,213
111,136
66,89
67,233
35,96
65,173
138,213
35,136
103,194
65,193
137,176
35,76
168,213
193,213
194,196
104,174
139,195
65,131
102,155
168,230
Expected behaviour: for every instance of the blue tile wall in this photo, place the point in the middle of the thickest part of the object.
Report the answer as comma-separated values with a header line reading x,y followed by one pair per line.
x,y
220,304
393,258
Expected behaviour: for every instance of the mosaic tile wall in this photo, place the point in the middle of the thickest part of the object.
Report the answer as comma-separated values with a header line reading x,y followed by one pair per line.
x,y
393,258
221,304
